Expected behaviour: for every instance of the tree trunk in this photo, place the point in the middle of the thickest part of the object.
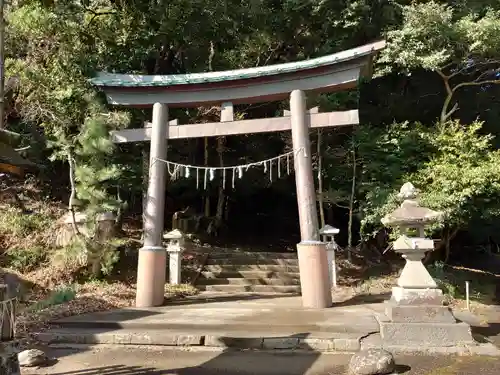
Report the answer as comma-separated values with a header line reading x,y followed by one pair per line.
x,y
207,196
320,184
96,268
72,196
351,206
211,55
119,214
145,178
222,196
449,237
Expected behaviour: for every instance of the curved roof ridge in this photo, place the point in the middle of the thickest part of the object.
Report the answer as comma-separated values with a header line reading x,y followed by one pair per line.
x,y
138,80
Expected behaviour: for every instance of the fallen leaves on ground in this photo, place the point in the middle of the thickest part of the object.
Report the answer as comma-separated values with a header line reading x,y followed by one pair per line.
x,y
90,297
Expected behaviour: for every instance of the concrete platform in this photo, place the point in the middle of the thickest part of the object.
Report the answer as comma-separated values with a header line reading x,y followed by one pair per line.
x,y
243,321
211,320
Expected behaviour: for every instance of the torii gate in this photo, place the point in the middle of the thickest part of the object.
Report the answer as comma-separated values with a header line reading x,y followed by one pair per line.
x,y
330,73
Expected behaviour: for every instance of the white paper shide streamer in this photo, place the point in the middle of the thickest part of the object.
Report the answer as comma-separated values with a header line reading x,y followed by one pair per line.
x,y
272,167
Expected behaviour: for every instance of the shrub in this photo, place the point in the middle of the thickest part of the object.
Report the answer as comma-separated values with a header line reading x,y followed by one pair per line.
x,y
25,260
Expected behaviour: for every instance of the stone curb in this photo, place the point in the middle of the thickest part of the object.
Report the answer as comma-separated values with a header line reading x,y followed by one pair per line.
x,y
215,341
488,350
484,349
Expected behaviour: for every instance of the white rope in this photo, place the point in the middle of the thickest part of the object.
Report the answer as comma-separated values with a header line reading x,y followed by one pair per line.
x,y
253,164
177,170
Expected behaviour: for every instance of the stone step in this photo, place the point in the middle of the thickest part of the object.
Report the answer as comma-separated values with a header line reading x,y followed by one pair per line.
x,y
252,261
251,288
252,255
284,338
251,267
251,274
247,281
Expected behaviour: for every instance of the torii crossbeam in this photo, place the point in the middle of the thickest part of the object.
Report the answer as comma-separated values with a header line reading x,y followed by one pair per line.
x,y
325,74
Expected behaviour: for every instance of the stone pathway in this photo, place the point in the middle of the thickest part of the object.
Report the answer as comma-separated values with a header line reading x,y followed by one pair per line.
x,y
258,322
152,361
246,321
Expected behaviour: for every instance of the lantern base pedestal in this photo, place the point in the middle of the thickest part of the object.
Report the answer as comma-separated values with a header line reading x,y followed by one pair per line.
x,y
413,296
422,335
417,317
418,314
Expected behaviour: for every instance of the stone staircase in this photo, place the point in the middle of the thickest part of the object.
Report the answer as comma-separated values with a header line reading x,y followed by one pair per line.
x,y
241,272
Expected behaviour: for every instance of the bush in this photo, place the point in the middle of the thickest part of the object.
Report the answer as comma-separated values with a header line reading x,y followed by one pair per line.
x,y
25,260
56,297
15,223
451,280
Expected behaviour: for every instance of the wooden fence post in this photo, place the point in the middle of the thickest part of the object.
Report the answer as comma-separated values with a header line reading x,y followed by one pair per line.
x,y
7,314
9,364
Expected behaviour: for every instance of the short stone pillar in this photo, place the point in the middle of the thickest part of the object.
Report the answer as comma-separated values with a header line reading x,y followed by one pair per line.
x,y
415,314
331,246
175,247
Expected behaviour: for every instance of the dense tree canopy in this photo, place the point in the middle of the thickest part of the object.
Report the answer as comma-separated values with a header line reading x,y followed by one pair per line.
x,y
54,47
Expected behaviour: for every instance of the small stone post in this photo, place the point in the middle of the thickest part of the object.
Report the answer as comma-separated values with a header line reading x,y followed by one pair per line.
x,y
175,247
152,256
331,246
313,263
415,314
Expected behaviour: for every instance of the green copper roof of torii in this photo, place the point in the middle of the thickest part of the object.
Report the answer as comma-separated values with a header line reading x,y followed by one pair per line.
x,y
136,80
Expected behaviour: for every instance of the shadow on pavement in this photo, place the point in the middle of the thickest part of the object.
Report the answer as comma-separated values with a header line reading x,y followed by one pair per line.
x,y
229,362
402,369
491,332
362,299
204,298
116,370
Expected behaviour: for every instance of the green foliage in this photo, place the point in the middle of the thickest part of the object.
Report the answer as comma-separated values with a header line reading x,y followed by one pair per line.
x,y
452,281
444,280
101,256
95,175
54,47
20,224
462,178
387,156
433,35
464,49
453,166
58,296
427,38
25,260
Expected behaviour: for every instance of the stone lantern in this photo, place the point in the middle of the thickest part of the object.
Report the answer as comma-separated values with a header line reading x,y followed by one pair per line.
x,y
331,246
175,247
415,314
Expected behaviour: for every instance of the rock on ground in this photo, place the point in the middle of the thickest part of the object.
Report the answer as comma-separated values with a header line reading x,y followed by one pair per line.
x,y
371,362
32,358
